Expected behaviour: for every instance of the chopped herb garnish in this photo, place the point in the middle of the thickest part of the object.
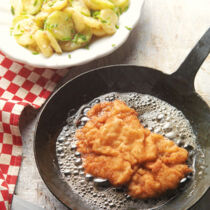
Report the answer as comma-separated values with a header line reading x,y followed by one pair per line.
x,y
113,45
85,14
72,31
87,47
75,39
45,22
35,53
95,14
35,2
50,4
18,34
12,10
83,37
129,28
104,21
116,26
23,13
11,30
116,10
50,26
66,39
126,9
79,38
69,56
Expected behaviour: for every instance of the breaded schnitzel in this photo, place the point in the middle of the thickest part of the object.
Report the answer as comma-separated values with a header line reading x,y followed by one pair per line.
x,y
115,146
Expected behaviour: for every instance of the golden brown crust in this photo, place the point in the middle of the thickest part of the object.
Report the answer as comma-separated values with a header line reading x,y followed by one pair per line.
x,y
115,169
117,147
156,178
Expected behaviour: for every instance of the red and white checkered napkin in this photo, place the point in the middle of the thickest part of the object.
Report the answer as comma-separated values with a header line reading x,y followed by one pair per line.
x,y
19,86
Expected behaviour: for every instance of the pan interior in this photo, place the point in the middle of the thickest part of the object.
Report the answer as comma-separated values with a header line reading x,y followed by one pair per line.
x,y
155,114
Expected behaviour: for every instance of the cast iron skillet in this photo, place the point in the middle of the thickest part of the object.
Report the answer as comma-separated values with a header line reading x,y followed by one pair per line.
x,y
177,89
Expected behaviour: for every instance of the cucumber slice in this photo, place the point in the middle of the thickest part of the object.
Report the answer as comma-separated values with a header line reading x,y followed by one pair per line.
x,y
99,4
24,31
60,25
32,6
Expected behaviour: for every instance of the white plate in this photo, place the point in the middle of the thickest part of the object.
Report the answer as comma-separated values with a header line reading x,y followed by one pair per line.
x,y
97,49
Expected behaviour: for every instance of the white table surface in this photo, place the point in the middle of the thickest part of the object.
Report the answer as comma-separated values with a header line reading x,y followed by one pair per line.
x,y
165,34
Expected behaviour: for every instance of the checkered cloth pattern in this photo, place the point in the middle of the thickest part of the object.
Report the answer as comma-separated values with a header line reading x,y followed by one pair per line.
x,y
20,86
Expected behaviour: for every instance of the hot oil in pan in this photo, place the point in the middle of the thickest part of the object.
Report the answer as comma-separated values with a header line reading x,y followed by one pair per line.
x,y
155,114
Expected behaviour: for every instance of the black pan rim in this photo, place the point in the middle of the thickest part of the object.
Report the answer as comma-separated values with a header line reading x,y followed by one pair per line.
x,y
58,90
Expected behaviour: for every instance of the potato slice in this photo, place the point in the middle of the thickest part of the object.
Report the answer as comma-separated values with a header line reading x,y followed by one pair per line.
x,y
24,31
123,4
99,4
80,40
40,18
60,25
82,21
78,20
34,48
109,20
32,7
43,43
81,7
69,10
53,42
18,18
52,5
92,22
99,32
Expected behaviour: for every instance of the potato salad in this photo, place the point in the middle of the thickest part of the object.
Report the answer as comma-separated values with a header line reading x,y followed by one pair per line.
x,y
56,26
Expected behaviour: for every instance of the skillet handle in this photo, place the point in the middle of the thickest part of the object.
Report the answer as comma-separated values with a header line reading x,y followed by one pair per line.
x,y
194,60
